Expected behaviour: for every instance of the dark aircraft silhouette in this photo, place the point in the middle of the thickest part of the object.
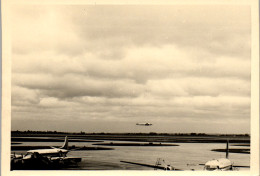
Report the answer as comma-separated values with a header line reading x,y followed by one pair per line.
x,y
144,124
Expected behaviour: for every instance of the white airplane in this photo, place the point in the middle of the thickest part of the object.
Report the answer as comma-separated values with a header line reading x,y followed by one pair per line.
x,y
44,158
144,124
221,164
54,152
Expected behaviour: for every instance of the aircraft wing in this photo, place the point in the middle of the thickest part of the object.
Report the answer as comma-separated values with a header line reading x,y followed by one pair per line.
x,y
241,166
233,166
78,148
76,159
146,165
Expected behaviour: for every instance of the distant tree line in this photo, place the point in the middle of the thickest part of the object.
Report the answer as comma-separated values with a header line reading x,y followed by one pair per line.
x,y
103,133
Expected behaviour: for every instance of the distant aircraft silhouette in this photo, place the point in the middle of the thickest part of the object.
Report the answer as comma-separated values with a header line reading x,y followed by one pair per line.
x,y
144,124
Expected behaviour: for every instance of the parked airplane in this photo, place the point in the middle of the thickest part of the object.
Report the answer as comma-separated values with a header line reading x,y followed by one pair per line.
x,y
222,164
44,158
144,124
160,164
54,152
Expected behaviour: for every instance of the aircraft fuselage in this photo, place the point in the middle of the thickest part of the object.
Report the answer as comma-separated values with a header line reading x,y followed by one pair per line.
x,y
219,164
144,124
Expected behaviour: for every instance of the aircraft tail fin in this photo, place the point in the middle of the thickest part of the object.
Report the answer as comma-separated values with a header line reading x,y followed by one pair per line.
x,y
227,150
66,143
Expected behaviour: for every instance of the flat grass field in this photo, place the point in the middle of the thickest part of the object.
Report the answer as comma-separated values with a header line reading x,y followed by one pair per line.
x,y
103,141
142,137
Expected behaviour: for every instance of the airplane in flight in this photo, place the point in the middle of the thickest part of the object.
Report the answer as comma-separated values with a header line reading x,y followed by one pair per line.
x,y
144,124
221,164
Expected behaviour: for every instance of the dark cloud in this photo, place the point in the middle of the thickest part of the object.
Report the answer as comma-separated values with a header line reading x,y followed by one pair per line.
x,y
74,85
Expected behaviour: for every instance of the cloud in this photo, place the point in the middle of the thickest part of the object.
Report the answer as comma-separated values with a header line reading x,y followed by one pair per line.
x,y
194,86
139,64
23,96
74,85
189,64
109,30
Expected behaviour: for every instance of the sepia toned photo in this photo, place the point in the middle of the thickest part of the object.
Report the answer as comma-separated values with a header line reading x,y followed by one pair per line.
x,y
130,87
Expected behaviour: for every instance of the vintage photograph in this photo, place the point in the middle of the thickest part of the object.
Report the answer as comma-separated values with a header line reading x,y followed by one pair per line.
x,y
101,87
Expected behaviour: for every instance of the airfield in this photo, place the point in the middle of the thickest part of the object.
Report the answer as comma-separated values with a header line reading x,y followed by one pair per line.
x,y
104,151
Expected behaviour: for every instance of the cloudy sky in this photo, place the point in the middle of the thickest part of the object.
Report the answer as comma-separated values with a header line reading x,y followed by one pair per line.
x,y
105,68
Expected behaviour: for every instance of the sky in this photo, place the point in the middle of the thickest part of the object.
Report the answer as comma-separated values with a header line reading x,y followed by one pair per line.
x,y
104,68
